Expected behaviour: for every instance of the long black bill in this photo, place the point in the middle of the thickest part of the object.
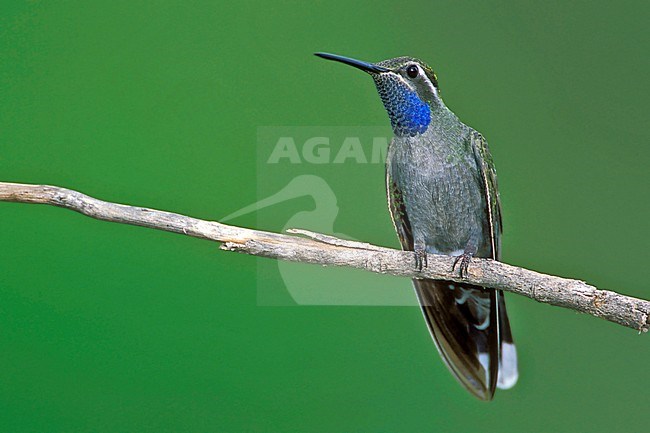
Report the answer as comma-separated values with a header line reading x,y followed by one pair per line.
x,y
364,66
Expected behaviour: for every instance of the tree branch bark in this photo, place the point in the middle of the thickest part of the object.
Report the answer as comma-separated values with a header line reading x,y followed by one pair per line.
x,y
326,250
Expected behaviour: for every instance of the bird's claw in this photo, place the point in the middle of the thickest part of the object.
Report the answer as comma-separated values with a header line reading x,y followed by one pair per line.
x,y
420,260
464,260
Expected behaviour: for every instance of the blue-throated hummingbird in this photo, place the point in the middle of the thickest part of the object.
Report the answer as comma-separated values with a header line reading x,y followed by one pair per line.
x,y
443,199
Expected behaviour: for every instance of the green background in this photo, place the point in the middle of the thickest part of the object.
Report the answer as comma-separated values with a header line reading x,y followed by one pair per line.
x,y
107,327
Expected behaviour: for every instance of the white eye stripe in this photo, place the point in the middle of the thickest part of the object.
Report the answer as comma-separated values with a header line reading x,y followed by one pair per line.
x,y
410,84
431,86
422,74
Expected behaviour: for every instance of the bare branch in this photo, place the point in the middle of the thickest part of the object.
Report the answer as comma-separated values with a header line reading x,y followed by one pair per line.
x,y
326,250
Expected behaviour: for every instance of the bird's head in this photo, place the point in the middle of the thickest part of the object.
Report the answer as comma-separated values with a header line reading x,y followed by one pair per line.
x,y
408,88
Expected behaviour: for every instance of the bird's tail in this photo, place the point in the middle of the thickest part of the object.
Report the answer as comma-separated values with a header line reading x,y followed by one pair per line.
x,y
470,327
508,370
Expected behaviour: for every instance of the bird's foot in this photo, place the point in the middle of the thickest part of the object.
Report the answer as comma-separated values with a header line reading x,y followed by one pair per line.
x,y
420,259
464,260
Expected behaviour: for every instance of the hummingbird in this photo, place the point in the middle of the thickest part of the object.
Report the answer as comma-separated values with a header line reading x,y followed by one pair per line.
x,y
442,193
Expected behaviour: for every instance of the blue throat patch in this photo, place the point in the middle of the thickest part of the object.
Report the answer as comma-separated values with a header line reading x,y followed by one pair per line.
x,y
409,115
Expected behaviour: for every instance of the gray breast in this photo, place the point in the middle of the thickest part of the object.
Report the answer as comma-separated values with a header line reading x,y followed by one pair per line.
x,y
442,191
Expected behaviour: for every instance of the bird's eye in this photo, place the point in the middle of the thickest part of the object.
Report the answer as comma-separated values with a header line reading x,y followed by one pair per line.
x,y
412,71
